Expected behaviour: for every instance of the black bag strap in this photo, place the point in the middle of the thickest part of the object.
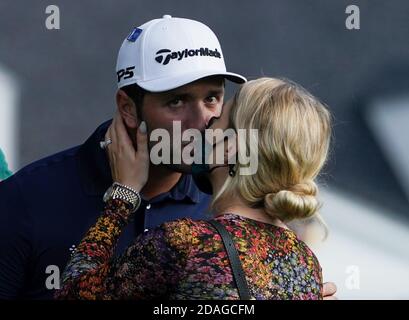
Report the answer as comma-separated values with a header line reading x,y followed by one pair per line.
x,y
237,269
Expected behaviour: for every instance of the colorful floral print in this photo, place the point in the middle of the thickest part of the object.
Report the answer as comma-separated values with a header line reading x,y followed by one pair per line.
x,y
185,259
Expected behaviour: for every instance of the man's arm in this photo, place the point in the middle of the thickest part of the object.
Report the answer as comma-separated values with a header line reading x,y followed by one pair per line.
x,y
15,246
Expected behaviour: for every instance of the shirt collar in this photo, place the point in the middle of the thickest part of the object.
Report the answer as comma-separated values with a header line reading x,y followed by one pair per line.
x,y
185,189
96,174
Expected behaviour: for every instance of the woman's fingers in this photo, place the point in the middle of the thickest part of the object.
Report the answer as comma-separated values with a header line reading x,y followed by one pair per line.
x,y
329,290
121,133
128,166
108,135
142,138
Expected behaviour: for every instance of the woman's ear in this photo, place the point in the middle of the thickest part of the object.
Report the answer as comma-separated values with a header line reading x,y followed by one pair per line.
x,y
127,109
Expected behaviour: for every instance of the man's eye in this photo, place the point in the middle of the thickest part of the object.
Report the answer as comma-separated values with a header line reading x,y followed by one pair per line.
x,y
211,99
175,103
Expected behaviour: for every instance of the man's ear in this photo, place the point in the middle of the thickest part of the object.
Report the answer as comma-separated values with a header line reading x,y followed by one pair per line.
x,y
127,109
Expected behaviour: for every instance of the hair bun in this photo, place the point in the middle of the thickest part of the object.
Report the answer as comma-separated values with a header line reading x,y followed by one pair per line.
x,y
298,202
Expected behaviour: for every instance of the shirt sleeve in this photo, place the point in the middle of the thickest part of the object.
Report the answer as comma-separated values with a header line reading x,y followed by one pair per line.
x,y
148,269
15,240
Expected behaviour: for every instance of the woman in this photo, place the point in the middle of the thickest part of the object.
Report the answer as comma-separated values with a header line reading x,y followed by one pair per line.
x,y
186,259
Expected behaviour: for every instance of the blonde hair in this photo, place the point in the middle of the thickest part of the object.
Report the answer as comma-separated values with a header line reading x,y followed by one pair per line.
x,y
294,130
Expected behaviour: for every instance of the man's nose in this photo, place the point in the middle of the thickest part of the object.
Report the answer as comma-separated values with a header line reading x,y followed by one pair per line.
x,y
200,116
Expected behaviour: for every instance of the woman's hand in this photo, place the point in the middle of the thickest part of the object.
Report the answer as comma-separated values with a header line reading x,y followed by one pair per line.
x,y
128,166
329,291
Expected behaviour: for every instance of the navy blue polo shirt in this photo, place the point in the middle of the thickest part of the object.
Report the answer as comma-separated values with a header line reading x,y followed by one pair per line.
x,y
46,208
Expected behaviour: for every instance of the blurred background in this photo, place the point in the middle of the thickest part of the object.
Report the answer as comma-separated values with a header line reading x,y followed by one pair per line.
x,y
57,86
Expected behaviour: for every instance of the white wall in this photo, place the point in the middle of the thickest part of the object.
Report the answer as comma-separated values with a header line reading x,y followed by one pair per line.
x,y
367,251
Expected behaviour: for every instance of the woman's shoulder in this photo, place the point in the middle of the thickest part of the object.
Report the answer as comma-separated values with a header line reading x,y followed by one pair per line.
x,y
303,259
186,225
185,232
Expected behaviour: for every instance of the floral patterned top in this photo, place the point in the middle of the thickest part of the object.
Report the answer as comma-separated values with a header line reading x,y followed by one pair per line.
x,y
186,259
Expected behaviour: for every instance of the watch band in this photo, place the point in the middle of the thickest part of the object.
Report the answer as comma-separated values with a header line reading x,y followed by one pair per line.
x,y
125,193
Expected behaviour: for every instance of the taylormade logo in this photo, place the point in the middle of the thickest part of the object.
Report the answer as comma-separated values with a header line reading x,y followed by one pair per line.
x,y
163,56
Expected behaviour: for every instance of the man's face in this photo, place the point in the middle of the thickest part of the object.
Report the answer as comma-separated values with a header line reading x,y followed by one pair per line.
x,y
193,105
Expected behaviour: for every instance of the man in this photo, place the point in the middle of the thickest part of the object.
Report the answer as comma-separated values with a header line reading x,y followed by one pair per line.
x,y
168,70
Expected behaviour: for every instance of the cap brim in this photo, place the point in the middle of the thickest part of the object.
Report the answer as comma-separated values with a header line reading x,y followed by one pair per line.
x,y
169,83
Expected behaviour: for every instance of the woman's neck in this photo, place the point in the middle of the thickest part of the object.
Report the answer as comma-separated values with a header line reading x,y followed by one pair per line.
x,y
236,204
239,208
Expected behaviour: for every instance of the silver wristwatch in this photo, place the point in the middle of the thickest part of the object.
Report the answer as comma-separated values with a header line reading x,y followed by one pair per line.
x,y
125,193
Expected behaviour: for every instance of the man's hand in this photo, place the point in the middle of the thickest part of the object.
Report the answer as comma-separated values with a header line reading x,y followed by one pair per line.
x,y
329,290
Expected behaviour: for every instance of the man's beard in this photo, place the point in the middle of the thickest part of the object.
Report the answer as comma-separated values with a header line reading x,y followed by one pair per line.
x,y
179,165
182,168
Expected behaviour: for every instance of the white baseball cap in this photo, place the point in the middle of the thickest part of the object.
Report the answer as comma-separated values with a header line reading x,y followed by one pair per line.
x,y
167,53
